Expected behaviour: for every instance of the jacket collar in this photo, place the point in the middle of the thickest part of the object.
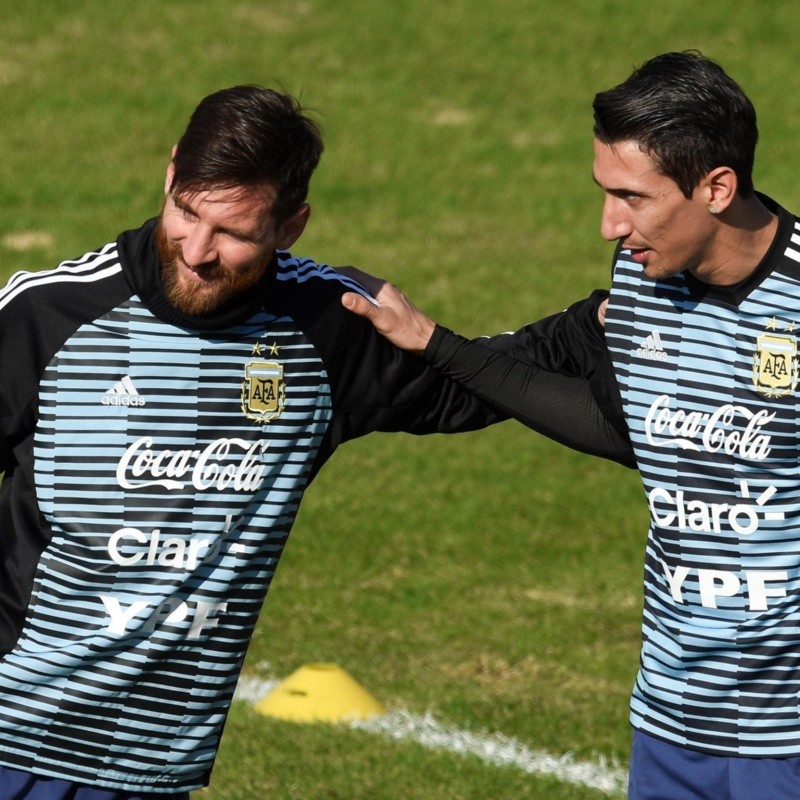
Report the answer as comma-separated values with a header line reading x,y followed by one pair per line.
x,y
142,268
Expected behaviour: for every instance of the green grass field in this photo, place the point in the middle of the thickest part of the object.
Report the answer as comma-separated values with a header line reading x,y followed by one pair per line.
x,y
490,579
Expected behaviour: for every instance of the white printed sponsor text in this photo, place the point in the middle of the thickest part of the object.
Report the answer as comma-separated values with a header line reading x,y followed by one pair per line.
x,y
223,464
169,612
713,584
127,547
713,432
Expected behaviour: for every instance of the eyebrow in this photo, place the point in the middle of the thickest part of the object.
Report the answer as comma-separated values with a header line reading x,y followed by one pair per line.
x,y
183,205
249,236
619,191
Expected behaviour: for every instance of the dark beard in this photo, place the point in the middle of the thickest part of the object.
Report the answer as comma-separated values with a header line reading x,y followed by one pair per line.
x,y
198,301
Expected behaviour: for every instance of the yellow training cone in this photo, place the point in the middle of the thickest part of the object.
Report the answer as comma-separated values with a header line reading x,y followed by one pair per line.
x,y
319,693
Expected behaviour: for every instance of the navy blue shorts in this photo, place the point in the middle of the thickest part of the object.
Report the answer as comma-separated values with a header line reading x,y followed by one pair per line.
x,y
661,771
17,785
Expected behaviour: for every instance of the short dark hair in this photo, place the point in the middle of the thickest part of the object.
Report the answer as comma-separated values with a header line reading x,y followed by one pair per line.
x,y
249,136
687,114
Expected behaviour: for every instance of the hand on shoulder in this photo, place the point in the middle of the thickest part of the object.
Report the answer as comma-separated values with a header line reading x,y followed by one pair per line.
x,y
392,314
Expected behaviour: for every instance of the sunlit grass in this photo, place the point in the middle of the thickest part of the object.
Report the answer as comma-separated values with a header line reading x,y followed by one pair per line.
x,y
492,578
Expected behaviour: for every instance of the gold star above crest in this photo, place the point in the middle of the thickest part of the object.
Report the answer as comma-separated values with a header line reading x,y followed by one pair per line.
x,y
790,327
274,350
257,348
772,325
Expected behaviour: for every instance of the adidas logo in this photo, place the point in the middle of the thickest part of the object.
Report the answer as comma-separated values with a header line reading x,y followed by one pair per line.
x,y
123,393
651,347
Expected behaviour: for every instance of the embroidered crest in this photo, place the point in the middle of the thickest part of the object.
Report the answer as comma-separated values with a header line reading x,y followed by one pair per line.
x,y
263,390
775,368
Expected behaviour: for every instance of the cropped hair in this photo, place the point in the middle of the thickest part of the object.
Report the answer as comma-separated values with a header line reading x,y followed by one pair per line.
x,y
246,137
687,114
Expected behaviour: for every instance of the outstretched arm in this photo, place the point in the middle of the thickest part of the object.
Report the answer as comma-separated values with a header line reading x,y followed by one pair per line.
x,y
560,406
394,316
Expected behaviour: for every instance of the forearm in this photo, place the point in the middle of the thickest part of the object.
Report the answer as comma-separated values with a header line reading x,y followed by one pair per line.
x,y
560,407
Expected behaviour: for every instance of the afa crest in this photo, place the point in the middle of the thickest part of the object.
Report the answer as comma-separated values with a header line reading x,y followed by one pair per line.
x,y
775,368
263,390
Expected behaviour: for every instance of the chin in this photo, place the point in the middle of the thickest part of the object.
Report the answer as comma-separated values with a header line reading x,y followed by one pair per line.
x,y
656,273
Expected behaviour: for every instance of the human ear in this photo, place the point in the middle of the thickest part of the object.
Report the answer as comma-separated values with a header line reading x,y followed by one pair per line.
x,y
719,189
170,171
291,230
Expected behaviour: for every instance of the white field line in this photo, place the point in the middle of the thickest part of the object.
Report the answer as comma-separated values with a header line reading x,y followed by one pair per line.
x,y
493,749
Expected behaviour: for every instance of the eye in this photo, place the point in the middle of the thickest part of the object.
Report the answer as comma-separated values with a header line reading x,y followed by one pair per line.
x,y
183,210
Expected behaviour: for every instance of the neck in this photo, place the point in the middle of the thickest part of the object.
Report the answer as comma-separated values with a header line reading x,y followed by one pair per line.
x,y
746,229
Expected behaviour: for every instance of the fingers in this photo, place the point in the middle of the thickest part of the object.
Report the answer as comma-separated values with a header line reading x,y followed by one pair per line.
x,y
394,317
601,312
358,304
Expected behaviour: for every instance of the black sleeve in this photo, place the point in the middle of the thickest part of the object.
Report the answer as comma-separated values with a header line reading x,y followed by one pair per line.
x,y
386,389
553,376
377,387
571,342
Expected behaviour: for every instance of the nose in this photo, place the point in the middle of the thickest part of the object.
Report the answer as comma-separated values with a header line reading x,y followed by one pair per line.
x,y
614,223
198,246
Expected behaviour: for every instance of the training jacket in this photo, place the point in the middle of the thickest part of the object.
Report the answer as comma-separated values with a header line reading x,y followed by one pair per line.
x,y
709,383
154,464
701,394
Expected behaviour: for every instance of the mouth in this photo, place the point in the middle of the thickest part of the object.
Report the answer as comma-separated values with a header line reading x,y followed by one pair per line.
x,y
202,274
638,254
